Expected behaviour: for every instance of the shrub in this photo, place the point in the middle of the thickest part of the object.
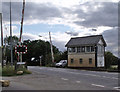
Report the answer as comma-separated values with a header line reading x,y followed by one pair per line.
x,y
10,70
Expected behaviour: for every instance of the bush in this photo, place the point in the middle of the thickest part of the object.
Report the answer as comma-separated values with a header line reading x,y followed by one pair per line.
x,y
10,71
113,67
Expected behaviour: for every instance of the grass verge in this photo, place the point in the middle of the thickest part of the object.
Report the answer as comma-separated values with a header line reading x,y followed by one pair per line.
x,y
10,71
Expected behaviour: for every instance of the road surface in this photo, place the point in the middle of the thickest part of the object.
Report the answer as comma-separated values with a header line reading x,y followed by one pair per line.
x,y
48,78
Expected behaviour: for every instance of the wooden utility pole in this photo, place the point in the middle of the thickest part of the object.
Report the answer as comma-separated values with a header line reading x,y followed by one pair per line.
x,y
51,48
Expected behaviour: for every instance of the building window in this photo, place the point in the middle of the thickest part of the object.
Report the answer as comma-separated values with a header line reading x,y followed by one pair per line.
x,y
92,49
90,60
72,60
88,48
81,60
71,49
83,49
78,49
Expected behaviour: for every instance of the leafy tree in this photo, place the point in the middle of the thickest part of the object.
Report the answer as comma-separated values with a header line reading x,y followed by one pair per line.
x,y
110,59
15,40
38,48
64,55
7,40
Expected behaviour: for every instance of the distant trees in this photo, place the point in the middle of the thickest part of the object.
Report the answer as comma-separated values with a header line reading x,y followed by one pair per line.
x,y
7,41
36,48
110,59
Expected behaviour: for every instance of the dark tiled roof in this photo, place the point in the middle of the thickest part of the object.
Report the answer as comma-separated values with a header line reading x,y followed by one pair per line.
x,y
87,40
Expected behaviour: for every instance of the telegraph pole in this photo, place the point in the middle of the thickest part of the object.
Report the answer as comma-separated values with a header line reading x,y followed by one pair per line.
x,y
51,49
1,38
11,37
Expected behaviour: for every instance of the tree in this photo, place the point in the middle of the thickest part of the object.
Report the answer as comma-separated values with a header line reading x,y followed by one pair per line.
x,y
110,59
6,48
15,40
64,55
38,48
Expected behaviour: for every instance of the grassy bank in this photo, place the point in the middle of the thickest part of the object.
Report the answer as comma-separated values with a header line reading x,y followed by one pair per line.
x,y
10,71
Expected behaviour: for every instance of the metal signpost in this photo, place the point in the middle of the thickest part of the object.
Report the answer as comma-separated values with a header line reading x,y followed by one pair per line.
x,y
20,49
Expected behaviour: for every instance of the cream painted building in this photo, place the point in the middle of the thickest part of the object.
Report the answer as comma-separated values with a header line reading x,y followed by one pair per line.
x,y
86,51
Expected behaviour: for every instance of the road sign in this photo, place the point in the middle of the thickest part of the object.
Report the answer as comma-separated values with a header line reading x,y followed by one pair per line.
x,y
20,63
21,49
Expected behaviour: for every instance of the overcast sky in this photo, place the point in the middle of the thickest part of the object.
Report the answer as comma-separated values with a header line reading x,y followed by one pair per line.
x,y
64,19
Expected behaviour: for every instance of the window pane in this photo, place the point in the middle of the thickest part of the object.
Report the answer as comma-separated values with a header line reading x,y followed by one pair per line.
x,y
72,60
81,60
73,49
69,50
78,49
90,60
92,49
88,48
83,49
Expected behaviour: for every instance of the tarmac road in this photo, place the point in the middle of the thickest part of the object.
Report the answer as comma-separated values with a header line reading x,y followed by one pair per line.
x,y
49,78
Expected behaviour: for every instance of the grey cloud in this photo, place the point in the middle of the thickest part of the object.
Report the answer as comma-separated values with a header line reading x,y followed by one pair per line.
x,y
72,33
104,16
32,11
60,45
111,38
16,11
42,11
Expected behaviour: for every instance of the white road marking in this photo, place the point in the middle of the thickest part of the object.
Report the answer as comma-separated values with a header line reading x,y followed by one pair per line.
x,y
64,79
94,75
113,78
103,72
50,69
109,77
86,74
117,88
77,81
98,85
63,70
